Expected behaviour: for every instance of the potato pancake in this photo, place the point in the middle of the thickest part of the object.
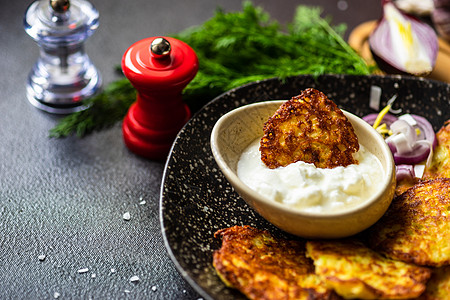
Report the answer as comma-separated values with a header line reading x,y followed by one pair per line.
x,y
355,271
262,267
416,227
310,128
405,184
438,287
440,165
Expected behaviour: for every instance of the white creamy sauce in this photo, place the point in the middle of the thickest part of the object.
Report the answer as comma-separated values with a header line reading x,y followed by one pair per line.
x,y
303,186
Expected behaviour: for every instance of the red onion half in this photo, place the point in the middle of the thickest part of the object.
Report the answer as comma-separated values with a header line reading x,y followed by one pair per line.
x,y
402,43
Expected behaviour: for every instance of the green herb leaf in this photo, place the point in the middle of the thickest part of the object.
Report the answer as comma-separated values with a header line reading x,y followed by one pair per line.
x,y
233,49
103,111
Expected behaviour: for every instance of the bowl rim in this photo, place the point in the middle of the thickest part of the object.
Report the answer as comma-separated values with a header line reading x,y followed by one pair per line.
x,y
234,179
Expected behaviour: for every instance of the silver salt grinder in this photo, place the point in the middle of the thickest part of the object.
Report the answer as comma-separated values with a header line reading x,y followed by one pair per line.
x,y
63,75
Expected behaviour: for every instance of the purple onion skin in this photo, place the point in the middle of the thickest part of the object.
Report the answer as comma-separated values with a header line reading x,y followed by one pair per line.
x,y
385,66
412,159
387,118
404,172
426,126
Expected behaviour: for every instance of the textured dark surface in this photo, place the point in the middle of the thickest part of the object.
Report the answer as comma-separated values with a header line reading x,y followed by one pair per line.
x,y
65,198
196,198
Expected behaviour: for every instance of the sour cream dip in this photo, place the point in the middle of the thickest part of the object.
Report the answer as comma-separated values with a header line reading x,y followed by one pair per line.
x,y
302,186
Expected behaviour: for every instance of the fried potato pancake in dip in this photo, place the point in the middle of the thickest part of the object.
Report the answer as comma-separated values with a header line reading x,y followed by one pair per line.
x,y
262,267
311,128
355,271
416,227
440,164
438,287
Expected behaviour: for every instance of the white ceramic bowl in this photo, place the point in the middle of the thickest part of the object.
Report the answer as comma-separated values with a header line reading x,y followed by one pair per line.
x,y
234,131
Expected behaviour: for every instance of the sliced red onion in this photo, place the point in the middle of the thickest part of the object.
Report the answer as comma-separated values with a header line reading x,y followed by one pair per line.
x,y
419,154
409,171
392,148
419,170
426,130
402,43
387,118
401,143
404,137
408,118
430,147
404,172
406,146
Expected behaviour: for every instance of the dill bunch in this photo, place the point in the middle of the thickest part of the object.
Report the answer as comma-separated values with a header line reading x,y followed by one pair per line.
x,y
104,110
233,49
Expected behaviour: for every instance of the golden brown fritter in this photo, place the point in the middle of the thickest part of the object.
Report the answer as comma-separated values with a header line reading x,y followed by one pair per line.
x,y
355,271
310,128
440,165
405,184
262,267
438,287
416,227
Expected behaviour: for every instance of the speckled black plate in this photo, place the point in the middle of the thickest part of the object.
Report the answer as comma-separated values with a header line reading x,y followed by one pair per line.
x,y
196,199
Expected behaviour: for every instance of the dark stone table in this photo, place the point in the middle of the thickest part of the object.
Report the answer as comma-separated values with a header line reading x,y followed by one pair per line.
x,y
62,200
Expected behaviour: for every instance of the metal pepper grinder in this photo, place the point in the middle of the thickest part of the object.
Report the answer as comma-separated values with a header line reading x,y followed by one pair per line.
x,y
159,68
63,75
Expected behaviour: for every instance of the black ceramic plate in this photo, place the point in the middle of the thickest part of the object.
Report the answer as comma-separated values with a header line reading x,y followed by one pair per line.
x,y
196,199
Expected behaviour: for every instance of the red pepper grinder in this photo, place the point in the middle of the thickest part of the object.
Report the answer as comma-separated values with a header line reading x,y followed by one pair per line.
x,y
159,68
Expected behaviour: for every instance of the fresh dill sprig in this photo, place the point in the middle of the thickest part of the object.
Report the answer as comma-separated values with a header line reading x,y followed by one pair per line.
x,y
104,110
233,49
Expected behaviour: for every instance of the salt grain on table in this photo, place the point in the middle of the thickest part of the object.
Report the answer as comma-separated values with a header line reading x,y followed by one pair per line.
x,y
126,216
81,271
41,257
134,279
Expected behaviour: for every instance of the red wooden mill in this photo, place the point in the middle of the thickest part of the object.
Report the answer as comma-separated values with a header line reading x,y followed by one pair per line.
x,y
159,68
